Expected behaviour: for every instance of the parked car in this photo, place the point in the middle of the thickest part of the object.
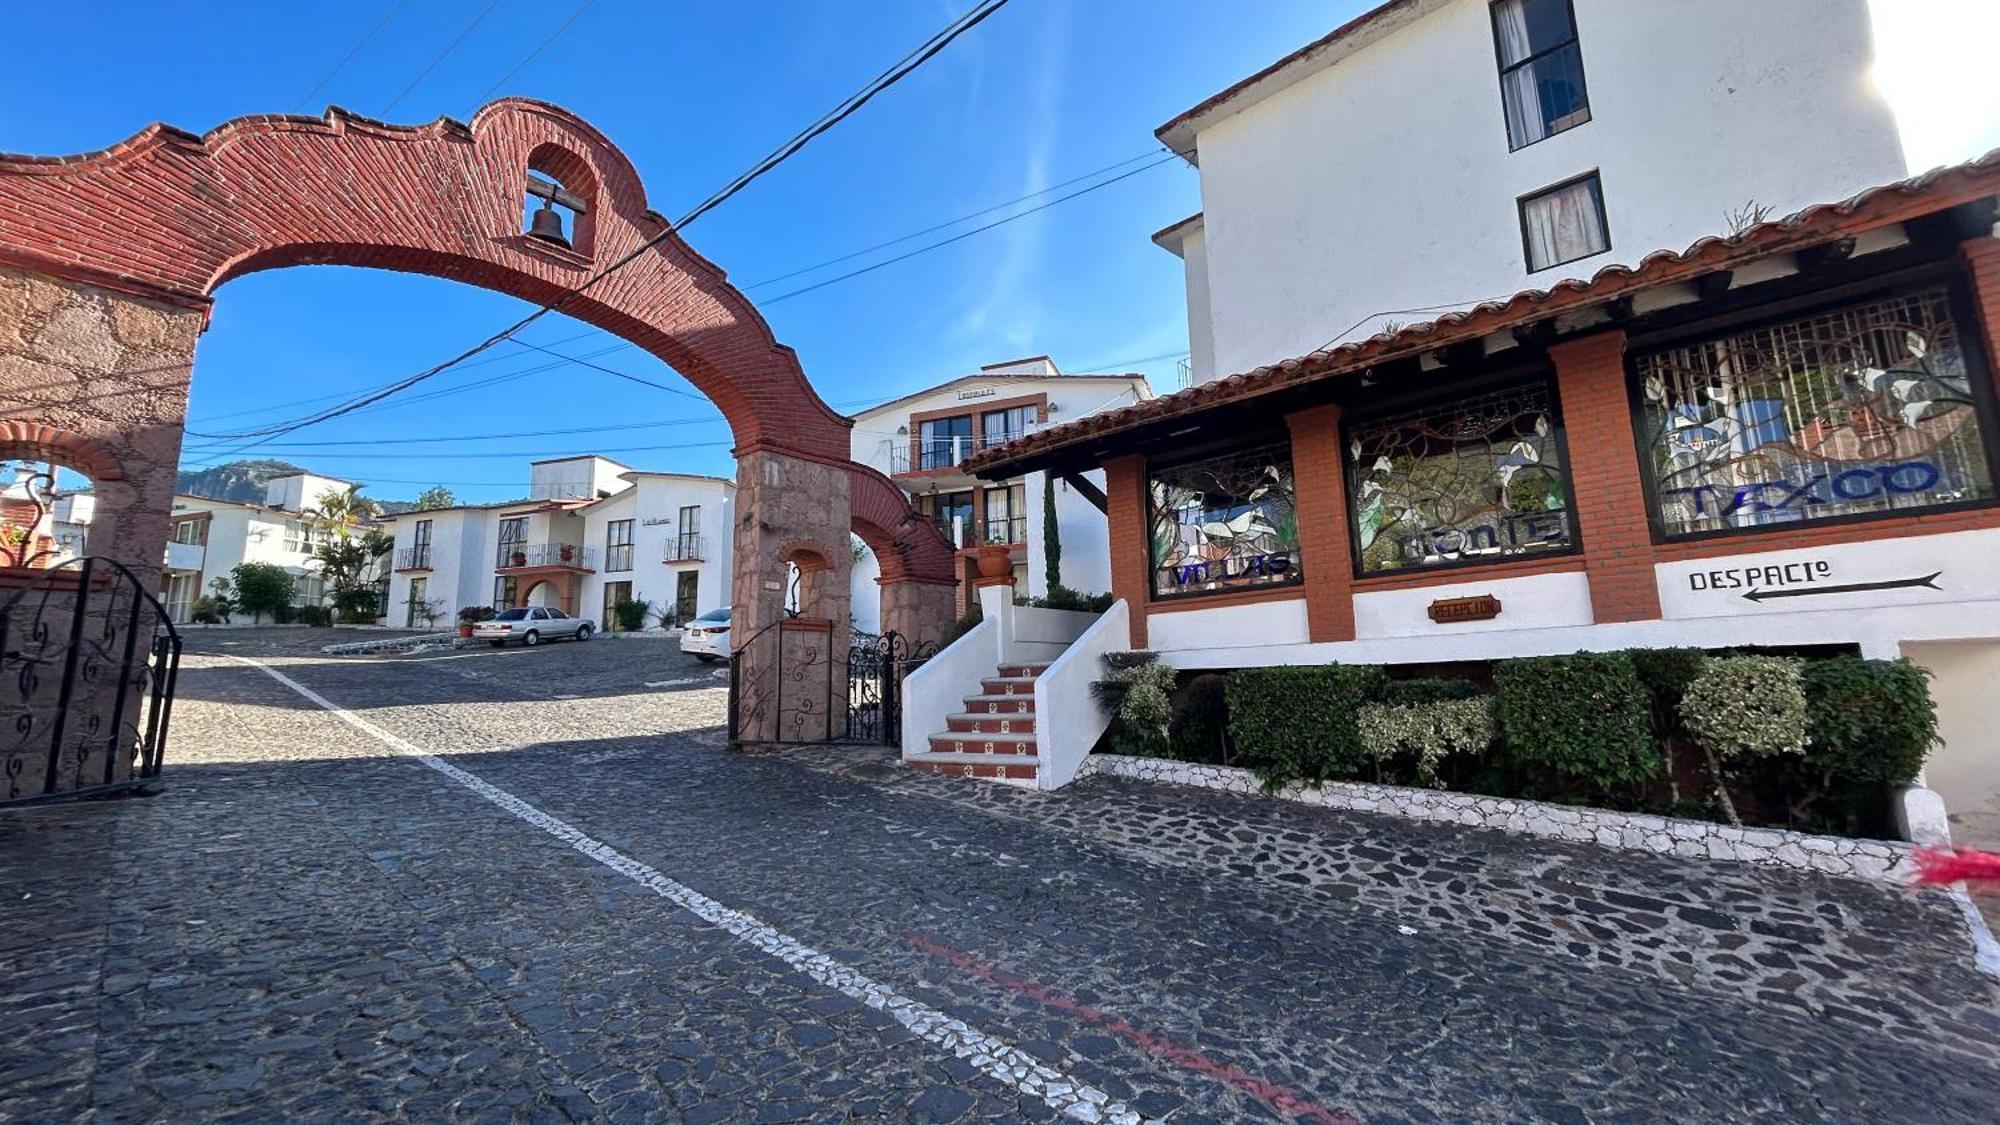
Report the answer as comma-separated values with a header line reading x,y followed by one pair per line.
x,y
531,625
706,638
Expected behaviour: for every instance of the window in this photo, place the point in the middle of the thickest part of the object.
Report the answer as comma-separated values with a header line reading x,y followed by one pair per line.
x,y
296,537
618,545
188,531
943,442
506,591
1469,480
999,426
416,612
952,513
1865,410
1006,514
513,537
1564,223
1541,69
687,536
1225,523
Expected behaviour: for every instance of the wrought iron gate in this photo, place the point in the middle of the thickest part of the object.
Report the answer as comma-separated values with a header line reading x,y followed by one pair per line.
x,y
88,660
803,697
876,668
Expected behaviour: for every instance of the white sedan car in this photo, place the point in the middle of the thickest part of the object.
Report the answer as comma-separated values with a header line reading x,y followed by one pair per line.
x,y
531,625
707,637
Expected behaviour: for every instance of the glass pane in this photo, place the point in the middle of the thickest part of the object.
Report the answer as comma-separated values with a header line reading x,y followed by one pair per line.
x,y
1545,96
1225,523
1525,28
1867,409
1480,479
1563,225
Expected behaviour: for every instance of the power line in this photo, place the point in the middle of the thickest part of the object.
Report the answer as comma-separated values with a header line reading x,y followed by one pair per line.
x,y
349,56
948,223
927,248
539,48
532,454
1393,312
610,371
441,56
896,73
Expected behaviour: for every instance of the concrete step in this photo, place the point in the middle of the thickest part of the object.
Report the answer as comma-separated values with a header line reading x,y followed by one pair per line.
x,y
1012,745
1008,685
1016,722
1016,771
1000,704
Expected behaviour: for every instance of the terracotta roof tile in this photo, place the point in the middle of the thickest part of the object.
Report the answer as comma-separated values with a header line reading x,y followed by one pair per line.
x,y
1933,191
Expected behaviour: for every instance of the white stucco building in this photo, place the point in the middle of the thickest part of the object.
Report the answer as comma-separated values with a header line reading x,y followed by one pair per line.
x,y
919,440
591,533
208,538
1431,154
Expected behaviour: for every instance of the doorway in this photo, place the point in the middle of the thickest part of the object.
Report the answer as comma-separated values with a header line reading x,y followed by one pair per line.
x,y
614,592
686,584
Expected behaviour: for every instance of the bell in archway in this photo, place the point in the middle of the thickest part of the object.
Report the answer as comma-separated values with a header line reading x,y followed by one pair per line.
x,y
548,226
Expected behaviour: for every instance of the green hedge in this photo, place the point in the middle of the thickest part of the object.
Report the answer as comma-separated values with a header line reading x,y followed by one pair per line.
x,y
1299,723
1869,720
1583,717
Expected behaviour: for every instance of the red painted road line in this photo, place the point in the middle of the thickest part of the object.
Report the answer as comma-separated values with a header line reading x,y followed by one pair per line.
x,y
1283,1099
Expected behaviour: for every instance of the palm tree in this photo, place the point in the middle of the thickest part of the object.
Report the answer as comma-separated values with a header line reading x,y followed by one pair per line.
x,y
343,510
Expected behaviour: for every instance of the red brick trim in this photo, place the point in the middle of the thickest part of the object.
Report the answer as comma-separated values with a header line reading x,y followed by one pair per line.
x,y
1320,484
1608,501
1471,575
1131,559
35,441
1290,593
1982,267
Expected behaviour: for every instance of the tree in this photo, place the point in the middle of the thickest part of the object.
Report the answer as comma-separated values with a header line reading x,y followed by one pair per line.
x,y
436,496
262,588
1051,535
348,564
343,510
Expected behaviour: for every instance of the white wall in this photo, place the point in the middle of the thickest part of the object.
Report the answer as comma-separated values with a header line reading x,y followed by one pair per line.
x,y
300,491
653,503
1965,770
1085,534
1385,181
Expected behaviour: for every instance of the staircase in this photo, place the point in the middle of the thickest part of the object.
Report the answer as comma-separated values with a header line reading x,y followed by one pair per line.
x,y
994,737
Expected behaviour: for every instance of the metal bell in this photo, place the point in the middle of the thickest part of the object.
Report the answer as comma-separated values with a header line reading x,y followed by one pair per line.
x,y
548,226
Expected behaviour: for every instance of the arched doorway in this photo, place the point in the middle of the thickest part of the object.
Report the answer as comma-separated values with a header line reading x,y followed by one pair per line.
x,y
109,262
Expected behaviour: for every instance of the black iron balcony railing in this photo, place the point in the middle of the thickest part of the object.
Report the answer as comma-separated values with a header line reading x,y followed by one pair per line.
x,y
546,554
931,454
684,548
414,558
1012,529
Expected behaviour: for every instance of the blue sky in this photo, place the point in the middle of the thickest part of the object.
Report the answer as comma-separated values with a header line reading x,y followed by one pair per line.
x,y
1044,91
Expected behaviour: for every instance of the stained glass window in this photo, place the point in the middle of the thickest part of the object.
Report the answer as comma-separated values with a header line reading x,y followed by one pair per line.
x,y
1462,481
1863,410
1225,523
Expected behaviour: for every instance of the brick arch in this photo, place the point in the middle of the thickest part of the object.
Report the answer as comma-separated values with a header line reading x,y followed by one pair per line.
x,y
24,440
907,546
172,215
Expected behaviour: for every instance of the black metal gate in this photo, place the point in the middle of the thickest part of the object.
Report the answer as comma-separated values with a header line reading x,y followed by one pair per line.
x,y
812,703
88,660
876,668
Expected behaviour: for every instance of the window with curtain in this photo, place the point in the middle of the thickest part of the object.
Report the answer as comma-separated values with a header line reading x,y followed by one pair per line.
x,y
1006,514
1225,523
943,442
1468,480
999,426
1864,410
618,545
1564,223
1541,69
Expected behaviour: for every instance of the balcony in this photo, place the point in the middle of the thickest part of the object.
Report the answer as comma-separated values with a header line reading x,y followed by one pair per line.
x,y
529,556
944,454
683,548
414,558
185,556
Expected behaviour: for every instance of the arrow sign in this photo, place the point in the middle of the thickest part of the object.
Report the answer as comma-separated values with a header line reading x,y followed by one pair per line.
x,y
1928,581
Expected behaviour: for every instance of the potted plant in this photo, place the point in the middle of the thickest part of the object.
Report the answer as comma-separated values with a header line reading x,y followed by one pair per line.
x,y
471,615
995,560
567,551
520,557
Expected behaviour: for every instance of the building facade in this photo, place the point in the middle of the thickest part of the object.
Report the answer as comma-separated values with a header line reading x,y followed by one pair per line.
x,y
207,539
1432,154
591,533
1783,439
921,441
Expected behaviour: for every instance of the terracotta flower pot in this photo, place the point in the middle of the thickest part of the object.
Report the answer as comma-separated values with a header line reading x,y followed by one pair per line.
x,y
995,561
465,628
520,559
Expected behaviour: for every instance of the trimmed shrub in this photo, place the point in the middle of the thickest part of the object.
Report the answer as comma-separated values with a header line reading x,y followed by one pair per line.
x,y
317,616
474,614
1746,706
205,610
1427,732
1300,723
263,588
1428,689
1201,717
1062,597
1146,711
1868,720
630,614
1667,672
1582,716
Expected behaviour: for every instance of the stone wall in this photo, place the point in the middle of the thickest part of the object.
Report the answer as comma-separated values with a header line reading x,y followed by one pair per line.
x,y
1879,860
789,510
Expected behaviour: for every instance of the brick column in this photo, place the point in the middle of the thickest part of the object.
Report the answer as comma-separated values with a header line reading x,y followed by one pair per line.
x,y
1607,502
1320,484
1982,263
1131,561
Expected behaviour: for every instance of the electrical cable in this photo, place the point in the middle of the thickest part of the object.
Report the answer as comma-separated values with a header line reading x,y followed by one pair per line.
x,y
442,55
349,56
539,48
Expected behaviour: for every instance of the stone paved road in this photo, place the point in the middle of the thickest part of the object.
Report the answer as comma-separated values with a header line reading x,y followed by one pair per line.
x,y
314,924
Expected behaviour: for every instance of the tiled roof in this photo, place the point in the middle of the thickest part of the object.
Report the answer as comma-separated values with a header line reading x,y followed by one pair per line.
x,y
1933,191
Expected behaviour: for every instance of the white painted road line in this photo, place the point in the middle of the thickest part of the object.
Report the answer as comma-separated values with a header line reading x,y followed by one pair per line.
x,y
996,1057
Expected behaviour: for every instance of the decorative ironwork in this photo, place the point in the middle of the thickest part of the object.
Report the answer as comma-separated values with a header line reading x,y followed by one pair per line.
x,y
1225,523
781,683
1461,481
88,661
18,538
1866,409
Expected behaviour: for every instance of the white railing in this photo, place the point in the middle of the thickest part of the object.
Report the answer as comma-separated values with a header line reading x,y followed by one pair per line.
x,y
184,556
938,689
1064,689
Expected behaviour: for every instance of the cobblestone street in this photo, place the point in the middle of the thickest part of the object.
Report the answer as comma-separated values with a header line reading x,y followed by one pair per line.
x,y
533,885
